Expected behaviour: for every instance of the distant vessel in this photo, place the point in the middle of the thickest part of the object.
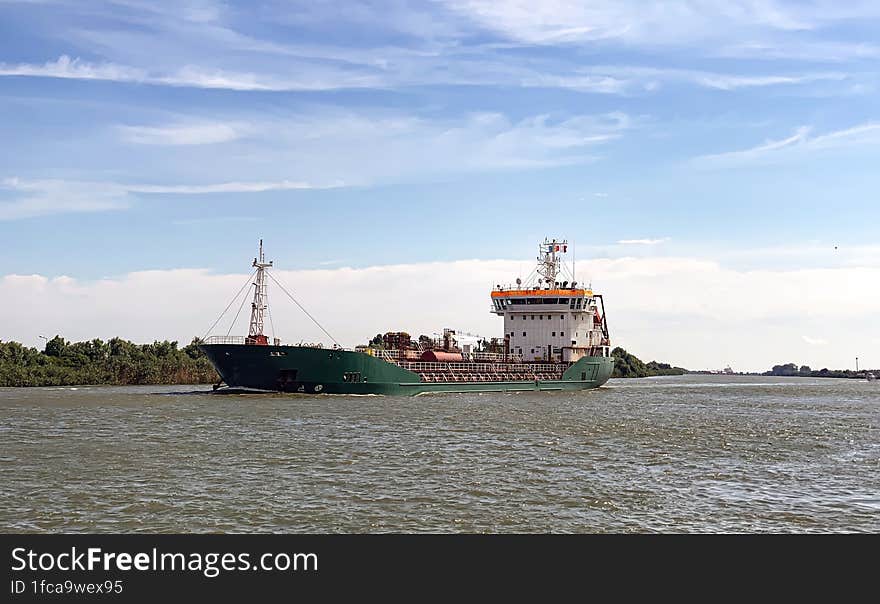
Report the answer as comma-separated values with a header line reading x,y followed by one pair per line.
x,y
555,338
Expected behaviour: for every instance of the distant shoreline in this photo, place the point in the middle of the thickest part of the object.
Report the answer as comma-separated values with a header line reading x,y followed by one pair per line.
x,y
119,362
836,374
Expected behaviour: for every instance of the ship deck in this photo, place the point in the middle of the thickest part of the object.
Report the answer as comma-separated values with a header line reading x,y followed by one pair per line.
x,y
485,372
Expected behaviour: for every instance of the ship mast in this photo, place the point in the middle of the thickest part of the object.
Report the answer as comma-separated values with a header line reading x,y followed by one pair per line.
x,y
258,306
549,264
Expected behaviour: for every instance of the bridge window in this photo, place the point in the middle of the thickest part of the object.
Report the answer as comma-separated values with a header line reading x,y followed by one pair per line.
x,y
524,334
554,334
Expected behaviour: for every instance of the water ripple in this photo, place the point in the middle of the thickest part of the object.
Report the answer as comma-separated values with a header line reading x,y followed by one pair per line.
x,y
688,454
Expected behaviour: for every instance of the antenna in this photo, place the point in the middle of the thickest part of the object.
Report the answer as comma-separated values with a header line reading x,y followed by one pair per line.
x,y
549,263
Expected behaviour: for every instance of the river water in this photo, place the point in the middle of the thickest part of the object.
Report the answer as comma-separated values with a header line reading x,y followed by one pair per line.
x,y
679,454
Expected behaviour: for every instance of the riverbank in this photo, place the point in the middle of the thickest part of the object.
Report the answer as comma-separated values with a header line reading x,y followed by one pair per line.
x,y
117,362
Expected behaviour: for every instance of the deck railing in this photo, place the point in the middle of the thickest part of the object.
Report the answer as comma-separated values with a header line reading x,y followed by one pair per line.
x,y
484,367
240,340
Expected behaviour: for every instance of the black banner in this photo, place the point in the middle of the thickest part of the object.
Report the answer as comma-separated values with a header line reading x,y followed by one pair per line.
x,y
264,567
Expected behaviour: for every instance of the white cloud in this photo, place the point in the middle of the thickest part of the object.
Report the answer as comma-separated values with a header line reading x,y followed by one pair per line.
x,y
191,76
31,198
335,149
345,144
672,22
643,241
688,311
820,51
66,68
632,77
812,255
228,187
733,82
365,148
397,68
799,142
183,134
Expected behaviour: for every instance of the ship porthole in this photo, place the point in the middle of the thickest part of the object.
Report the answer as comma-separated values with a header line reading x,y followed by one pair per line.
x,y
318,388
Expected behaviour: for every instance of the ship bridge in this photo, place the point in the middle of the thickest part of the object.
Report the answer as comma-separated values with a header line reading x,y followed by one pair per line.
x,y
549,320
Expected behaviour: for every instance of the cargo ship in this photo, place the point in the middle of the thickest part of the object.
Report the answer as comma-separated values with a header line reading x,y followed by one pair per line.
x,y
555,338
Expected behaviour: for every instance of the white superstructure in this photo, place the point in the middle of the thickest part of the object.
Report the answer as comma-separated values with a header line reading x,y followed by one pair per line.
x,y
549,320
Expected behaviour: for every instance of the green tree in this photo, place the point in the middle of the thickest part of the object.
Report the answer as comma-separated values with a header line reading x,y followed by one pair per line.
x,y
628,365
56,346
96,362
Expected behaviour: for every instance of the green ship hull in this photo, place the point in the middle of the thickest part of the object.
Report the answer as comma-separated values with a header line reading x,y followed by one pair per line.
x,y
330,371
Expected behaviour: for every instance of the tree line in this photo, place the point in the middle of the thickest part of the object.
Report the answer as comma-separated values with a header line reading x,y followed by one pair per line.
x,y
792,370
116,362
627,365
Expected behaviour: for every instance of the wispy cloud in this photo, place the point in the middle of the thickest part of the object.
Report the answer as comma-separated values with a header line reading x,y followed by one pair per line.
x,y
634,77
408,71
213,220
31,198
183,134
331,148
672,22
643,241
229,187
191,76
66,68
414,148
734,82
799,142
812,50
814,341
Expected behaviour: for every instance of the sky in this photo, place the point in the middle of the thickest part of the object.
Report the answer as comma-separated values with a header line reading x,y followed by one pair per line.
x,y
714,164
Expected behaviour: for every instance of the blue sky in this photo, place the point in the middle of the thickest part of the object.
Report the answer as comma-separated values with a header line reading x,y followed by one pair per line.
x,y
162,135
